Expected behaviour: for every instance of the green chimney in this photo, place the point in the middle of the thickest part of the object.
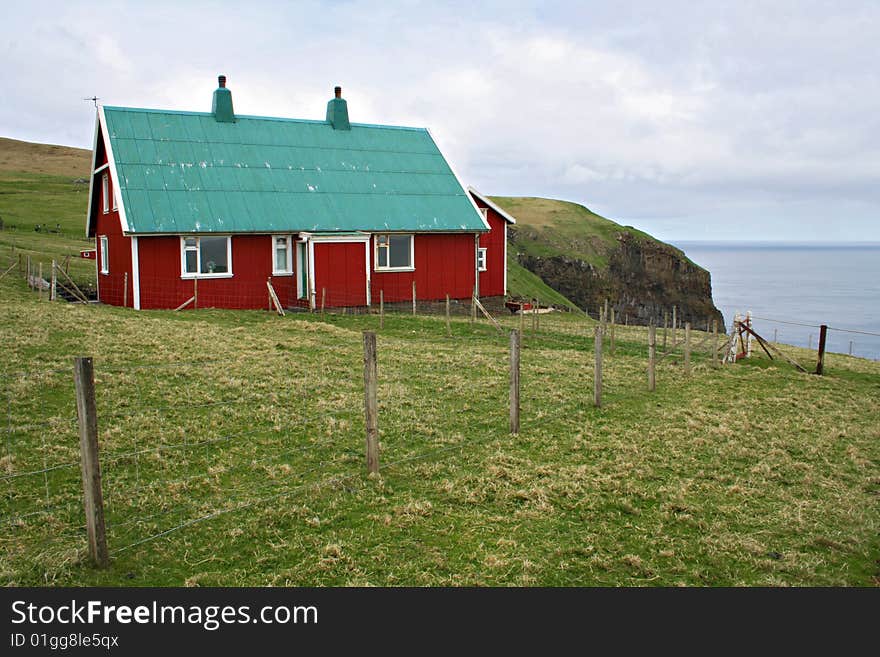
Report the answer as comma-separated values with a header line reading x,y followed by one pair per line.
x,y
221,108
337,112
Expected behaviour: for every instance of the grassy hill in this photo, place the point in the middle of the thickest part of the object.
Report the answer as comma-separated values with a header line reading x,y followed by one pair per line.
x,y
232,454
38,188
232,448
551,227
588,259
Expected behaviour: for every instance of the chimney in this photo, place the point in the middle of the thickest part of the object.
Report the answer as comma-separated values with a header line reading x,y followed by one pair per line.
x,y
337,111
221,108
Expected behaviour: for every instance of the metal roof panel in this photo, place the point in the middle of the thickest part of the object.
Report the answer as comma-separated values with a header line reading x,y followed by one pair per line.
x,y
185,172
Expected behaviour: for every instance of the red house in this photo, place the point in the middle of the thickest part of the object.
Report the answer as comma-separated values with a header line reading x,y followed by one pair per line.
x,y
208,206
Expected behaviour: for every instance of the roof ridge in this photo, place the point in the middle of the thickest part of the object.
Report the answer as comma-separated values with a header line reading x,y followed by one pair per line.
x,y
259,118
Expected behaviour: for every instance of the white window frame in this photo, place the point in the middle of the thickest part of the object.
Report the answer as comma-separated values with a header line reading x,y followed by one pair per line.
x,y
289,270
197,273
105,188
113,196
482,257
412,252
104,253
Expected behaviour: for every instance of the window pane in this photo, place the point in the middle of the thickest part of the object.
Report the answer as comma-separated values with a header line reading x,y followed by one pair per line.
x,y
383,257
190,242
281,258
191,262
400,251
214,255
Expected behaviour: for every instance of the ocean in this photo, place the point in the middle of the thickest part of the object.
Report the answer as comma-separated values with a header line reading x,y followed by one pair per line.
x,y
790,285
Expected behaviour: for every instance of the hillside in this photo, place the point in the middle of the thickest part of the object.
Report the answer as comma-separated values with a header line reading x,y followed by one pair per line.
x,y
589,258
231,442
27,157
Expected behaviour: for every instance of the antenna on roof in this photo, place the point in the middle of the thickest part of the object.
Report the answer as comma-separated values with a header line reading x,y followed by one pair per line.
x,y
94,99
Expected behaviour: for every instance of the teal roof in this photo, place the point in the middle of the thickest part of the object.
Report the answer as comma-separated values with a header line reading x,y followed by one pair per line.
x,y
185,172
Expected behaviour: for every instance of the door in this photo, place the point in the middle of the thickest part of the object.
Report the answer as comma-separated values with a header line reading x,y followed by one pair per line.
x,y
302,271
340,274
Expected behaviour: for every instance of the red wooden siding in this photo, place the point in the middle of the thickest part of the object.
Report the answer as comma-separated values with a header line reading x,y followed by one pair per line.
x,y
341,271
492,280
444,265
162,287
111,285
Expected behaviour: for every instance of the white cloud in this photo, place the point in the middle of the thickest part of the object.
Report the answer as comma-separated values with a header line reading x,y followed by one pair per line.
x,y
639,110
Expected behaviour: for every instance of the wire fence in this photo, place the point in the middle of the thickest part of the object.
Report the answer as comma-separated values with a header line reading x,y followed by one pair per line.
x,y
182,443
187,441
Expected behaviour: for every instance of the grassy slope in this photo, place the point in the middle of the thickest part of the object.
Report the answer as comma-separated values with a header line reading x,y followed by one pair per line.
x,y
522,283
548,227
36,187
752,474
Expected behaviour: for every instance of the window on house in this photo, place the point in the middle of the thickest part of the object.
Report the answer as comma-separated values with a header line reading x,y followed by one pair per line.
x,y
113,196
481,260
206,256
105,188
394,252
485,213
282,255
105,263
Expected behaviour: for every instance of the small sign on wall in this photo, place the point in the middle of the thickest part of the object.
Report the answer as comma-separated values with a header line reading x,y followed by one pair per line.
x,y
88,254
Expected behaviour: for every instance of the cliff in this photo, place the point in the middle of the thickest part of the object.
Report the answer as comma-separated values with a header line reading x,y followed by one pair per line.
x,y
588,258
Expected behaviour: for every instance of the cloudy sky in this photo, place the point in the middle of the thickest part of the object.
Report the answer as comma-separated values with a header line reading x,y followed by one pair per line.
x,y
690,120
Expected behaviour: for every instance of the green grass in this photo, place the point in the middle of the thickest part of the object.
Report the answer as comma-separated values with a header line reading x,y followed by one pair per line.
x,y
240,434
31,199
549,227
752,474
521,283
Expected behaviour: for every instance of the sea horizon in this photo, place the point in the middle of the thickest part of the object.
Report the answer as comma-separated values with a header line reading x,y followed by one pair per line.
x,y
793,290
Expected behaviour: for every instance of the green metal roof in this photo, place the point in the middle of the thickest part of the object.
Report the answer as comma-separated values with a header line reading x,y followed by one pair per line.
x,y
185,172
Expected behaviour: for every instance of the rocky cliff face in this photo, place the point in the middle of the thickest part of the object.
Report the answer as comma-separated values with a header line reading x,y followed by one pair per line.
x,y
643,279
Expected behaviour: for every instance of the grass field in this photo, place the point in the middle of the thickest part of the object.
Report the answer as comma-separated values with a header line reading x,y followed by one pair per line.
x,y
232,445
240,434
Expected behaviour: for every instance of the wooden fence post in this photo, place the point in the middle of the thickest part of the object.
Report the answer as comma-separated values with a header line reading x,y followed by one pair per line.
x,y
537,314
371,406
665,327
125,291
448,325
29,275
820,365
323,298
611,328
714,343
850,347
93,498
40,281
381,309
674,321
414,297
597,369
522,317
514,381
652,357
606,308
53,291
196,294
687,348
473,305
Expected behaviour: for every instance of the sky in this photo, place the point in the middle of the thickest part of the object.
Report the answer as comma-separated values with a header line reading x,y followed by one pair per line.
x,y
688,120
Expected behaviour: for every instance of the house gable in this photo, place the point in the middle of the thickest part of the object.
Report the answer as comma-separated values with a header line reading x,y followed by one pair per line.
x,y
189,172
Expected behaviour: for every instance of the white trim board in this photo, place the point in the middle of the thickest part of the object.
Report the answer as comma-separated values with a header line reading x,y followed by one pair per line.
x,y
135,273
111,159
485,199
